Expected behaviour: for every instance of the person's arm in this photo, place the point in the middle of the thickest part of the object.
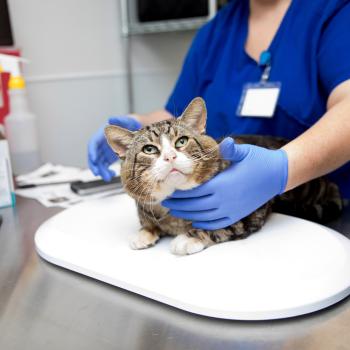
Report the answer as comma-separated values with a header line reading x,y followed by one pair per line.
x,y
326,145
153,117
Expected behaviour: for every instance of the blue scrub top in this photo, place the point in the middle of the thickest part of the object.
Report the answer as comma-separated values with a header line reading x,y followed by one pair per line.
x,y
310,56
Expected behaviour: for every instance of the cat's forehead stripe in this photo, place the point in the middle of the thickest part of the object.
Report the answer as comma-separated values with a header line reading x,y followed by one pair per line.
x,y
172,131
167,126
155,132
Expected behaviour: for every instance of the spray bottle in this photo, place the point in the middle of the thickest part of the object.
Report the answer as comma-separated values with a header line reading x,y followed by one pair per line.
x,y
20,123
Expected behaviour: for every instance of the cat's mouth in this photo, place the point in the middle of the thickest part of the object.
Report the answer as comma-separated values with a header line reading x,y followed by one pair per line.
x,y
175,170
174,174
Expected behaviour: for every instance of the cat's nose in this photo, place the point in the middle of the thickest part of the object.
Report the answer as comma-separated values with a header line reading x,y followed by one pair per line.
x,y
169,156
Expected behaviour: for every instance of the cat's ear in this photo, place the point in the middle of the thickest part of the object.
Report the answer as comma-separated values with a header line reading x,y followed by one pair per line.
x,y
119,139
195,115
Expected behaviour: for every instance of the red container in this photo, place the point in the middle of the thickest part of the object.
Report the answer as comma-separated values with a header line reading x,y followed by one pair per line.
x,y
4,96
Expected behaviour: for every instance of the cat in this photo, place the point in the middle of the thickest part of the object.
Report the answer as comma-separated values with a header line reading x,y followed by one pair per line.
x,y
177,155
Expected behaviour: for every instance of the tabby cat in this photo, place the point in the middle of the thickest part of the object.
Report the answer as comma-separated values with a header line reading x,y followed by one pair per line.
x,y
176,154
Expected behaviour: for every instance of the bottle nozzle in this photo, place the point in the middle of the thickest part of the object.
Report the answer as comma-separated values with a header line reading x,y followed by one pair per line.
x,y
16,82
12,64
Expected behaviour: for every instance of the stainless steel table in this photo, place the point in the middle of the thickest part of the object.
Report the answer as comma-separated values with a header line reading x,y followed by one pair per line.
x,y
46,307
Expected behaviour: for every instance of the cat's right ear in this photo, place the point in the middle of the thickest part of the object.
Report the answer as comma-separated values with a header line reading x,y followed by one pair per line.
x,y
119,139
195,115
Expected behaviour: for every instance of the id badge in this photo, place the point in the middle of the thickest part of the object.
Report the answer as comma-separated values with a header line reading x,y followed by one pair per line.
x,y
259,99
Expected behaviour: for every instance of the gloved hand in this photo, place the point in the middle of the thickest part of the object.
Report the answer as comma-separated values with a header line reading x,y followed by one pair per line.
x,y
100,155
254,177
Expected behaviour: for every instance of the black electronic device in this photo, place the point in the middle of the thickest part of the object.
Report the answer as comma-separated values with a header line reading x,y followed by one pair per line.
x,y
6,38
90,187
159,10
155,16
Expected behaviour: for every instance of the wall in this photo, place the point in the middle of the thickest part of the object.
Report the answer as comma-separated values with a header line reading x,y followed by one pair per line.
x,y
76,78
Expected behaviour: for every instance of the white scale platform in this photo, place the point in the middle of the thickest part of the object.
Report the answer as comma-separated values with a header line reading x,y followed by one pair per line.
x,y
291,267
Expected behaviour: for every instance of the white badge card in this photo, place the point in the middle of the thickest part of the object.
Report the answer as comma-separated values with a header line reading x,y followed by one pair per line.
x,y
259,100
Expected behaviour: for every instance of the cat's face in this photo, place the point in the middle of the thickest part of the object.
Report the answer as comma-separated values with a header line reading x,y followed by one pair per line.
x,y
165,156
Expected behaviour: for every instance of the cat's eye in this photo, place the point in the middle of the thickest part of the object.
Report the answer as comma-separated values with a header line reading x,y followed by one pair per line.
x,y
150,149
182,141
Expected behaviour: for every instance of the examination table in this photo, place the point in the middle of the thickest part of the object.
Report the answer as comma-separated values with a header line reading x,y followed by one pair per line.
x,y
47,307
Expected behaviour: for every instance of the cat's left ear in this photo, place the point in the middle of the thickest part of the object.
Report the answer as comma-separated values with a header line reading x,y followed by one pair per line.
x,y
119,139
195,115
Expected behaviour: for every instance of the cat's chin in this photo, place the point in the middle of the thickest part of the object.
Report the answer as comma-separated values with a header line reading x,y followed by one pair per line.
x,y
173,182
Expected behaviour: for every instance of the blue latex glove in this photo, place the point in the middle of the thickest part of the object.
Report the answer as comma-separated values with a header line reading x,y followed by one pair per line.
x,y
254,177
100,155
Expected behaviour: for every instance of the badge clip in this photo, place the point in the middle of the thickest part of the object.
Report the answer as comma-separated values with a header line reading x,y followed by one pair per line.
x,y
260,99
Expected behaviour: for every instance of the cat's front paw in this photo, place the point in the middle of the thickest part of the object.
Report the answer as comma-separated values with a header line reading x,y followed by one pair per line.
x,y
144,239
183,245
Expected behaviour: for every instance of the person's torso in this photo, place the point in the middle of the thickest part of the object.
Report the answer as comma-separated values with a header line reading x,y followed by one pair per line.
x,y
226,68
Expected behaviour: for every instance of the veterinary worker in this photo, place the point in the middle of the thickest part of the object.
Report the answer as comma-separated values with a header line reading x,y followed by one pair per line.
x,y
299,49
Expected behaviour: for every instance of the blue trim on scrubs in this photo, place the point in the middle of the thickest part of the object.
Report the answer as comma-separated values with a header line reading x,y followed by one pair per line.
x,y
310,56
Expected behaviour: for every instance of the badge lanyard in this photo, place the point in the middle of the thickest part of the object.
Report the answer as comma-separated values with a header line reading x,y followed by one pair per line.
x,y
260,99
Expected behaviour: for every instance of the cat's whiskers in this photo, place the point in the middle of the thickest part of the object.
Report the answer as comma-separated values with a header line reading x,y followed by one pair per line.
x,y
145,196
207,155
143,205
134,186
209,150
150,203
137,187
199,159
146,178
135,178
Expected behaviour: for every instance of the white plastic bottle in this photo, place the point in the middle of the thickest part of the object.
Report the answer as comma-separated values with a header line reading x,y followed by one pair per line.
x,y
21,127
